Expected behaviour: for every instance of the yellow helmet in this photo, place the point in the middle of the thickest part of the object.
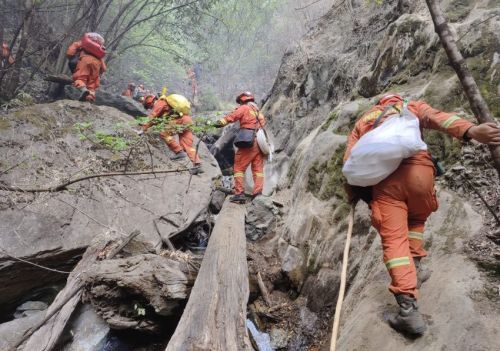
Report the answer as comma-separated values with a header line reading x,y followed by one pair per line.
x,y
179,103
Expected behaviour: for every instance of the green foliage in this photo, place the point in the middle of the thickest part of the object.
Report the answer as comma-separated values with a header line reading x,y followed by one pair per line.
x,y
115,143
22,99
208,100
110,141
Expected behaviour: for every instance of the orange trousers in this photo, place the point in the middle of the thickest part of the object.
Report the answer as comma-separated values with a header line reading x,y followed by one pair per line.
x,y
87,73
185,143
244,158
400,207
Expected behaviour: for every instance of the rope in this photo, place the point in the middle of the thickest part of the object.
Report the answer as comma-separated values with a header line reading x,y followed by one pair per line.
x,y
33,264
343,279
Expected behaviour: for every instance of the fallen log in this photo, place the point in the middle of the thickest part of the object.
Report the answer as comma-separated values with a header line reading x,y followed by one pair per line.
x,y
214,318
45,335
136,292
59,78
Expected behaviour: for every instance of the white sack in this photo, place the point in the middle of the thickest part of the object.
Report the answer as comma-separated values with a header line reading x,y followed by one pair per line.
x,y
380,151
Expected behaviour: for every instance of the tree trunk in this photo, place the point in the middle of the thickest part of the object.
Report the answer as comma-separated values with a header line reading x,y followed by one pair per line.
x,y
476,101
15,74
214,318
45,335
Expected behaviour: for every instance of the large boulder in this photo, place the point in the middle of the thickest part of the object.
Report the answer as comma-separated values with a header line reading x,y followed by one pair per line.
x,y
43,145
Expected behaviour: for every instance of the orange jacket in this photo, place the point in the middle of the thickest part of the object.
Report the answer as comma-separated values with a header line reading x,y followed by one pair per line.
x,y
77,46
6,54
160,109
246,114
429,118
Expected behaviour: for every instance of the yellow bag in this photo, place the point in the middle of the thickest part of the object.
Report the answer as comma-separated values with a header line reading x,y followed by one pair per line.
x,y
178,102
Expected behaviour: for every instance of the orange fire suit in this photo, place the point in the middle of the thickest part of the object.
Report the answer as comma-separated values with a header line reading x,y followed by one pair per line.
x,y
247,115
161,109
88,69
6,58
403,201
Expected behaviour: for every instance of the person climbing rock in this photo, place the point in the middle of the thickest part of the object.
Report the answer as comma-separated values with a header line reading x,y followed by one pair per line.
x,y
129,91
175,109
249,153
6,59
402,202
139,93
149,101
193,81
85,59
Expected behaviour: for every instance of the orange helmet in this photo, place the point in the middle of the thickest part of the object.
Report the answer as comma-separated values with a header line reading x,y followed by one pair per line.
x,y
389,98
149,101
245,97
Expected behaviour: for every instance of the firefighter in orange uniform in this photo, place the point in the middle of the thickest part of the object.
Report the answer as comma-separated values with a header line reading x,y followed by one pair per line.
x,y
402,202
176,108
6,59
250,118
86,63
129,92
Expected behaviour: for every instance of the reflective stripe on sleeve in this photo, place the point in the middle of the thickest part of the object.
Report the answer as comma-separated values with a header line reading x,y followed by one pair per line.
x,y
398,261
446,124
261,175
239,174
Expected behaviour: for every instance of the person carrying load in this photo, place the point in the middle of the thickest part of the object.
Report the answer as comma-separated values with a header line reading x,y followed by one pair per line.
x,y
402,199
249,152
176,109
85,60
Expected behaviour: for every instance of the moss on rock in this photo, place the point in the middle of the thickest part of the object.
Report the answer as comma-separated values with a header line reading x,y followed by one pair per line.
x,y
325,180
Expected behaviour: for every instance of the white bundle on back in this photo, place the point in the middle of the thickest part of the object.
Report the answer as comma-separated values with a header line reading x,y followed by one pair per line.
x,y
380,151
265,144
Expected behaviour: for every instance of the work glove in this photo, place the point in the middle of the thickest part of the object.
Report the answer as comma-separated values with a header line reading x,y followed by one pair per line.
x,y
218,124
356,193
352,197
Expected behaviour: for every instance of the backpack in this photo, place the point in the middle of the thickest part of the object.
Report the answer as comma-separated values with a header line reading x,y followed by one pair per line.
x,y
73,61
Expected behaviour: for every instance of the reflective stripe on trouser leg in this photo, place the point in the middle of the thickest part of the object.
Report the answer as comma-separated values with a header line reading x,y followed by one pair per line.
x,y
397,262
416,239
186,142
171,143
242,160
389,218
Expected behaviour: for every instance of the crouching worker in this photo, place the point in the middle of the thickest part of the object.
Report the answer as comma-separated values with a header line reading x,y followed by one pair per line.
x,y
402,202
249,153
85,60
175,109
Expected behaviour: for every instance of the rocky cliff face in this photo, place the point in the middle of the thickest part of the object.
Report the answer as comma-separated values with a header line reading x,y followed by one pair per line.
x,y
358,51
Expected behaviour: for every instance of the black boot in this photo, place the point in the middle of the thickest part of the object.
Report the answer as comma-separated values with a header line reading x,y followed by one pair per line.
x,y
84,92
423,273
408,320
196,169
178,156
238,199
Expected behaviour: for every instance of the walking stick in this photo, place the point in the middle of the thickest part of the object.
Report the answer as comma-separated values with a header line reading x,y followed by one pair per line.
x,y
343,279
195,155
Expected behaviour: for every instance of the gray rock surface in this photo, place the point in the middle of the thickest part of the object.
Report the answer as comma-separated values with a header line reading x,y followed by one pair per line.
x,y
87,331
43,147
11,331
261,217
29,308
